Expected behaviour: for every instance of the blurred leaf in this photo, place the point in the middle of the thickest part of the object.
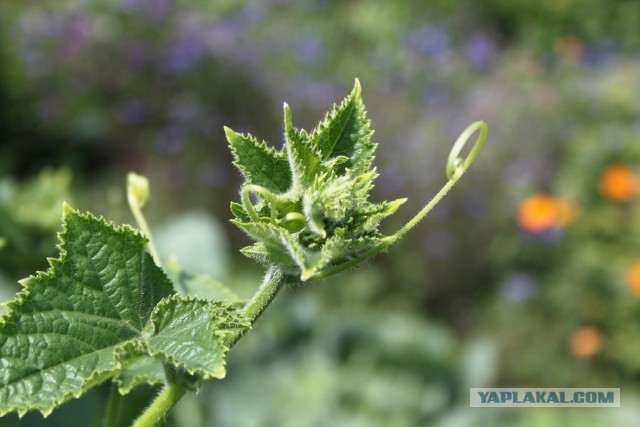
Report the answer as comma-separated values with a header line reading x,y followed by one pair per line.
x,y
479,363
199,285
197,242
38,201
143,371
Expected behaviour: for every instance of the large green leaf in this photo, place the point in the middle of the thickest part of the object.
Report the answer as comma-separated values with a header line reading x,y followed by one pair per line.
x,y
74,325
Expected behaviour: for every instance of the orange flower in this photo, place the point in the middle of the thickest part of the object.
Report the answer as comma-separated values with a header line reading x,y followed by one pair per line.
x,y
618,183
585,342
542,212
633,277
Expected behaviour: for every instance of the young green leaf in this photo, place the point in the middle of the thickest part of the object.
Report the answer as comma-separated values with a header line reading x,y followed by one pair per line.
x,y
324,222
186,332
77,324
260,165
304,160
345,132
325,217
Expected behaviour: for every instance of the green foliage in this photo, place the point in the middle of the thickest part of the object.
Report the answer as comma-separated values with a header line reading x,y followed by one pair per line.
x,y
29,216
102,306
105,309
313,210
260,165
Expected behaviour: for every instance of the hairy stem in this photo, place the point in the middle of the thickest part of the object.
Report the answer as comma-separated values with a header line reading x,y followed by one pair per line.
x,y
426,209
384,244
456,167
273,281
113,407
160,407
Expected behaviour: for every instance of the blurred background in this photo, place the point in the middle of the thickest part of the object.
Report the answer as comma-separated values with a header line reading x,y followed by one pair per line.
x,y
527,274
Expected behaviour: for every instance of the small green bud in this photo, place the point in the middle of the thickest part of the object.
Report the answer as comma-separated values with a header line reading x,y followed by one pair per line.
x,y
294,222
137,190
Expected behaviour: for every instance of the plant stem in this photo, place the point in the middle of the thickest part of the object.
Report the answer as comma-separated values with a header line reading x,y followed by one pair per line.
x,y
425,210
271,284
389,240
171,394
113,407
271,198
160,407
456,167
144,227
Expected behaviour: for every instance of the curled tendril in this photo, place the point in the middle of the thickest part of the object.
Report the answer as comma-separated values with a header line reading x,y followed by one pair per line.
x,y
292,221
456,167
268,195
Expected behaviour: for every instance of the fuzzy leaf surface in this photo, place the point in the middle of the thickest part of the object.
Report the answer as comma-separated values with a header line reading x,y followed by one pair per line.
x,y
325,218
345,131
258,163
189,333
71,327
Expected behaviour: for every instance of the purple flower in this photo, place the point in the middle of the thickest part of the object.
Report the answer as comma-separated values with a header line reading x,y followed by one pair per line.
x,y
429,40
184,54
480,50
601,54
